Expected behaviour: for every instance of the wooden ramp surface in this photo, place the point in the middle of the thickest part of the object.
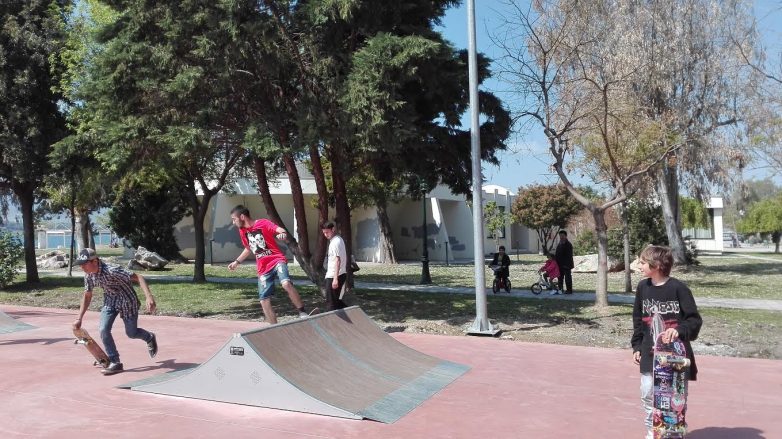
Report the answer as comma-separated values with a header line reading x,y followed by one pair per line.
x,y
9,324
337,364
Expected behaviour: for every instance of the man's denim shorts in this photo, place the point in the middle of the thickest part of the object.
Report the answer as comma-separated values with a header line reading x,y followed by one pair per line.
x,y
266,281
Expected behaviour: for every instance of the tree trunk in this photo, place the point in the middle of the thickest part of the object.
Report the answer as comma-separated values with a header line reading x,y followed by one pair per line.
x,y
775,238
387,255
546,244
668,191
88,230
298,207
199,209
307,264
199,273
626,242
25,193
601,289
342,207
78,229
73,234
323,196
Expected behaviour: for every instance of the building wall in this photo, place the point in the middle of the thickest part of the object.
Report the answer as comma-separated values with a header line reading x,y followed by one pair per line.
x,y
449,227
717,243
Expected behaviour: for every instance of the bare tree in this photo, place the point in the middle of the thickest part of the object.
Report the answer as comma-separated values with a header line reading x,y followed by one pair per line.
x,y
765,126
694,78
572,65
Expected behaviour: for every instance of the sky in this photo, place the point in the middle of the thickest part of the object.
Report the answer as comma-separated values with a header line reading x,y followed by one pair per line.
x,y
527,158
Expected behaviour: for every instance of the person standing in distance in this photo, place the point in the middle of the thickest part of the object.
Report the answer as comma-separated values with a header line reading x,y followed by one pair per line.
x,y
119,298
258,240
336,265
564,257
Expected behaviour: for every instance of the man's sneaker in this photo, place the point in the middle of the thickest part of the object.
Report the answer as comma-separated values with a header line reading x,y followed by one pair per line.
x,y
152,346
112,368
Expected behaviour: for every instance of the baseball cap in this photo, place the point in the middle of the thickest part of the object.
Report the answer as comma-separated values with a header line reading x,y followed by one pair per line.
x,y
85,255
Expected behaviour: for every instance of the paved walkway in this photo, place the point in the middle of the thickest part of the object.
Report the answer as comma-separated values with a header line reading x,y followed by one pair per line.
x,y
707,302
49,389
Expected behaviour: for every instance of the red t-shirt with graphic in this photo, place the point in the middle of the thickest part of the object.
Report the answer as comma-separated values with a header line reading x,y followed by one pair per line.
x,y
260,240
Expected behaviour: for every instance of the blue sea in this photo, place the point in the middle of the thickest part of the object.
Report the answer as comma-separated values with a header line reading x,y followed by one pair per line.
x,y
63,240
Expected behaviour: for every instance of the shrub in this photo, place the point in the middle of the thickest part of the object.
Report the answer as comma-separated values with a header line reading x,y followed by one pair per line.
x,y
585,243
11,252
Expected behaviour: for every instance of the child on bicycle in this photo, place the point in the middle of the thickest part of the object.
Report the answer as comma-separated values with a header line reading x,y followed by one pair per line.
x,y
550,272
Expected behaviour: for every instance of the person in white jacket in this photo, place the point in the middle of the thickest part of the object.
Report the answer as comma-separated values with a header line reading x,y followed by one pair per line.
x,y
336,265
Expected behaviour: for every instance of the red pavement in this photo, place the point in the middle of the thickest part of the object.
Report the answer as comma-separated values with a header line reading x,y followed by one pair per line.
x,y
515,390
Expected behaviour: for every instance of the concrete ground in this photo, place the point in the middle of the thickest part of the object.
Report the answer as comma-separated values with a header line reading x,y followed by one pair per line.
x,y
49,389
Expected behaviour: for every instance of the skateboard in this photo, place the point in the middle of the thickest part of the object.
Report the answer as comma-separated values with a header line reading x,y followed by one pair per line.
x,y
670,366
83,337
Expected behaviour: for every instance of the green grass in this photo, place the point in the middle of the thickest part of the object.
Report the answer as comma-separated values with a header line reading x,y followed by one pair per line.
x,y
239,301
745,332
727,276
719,277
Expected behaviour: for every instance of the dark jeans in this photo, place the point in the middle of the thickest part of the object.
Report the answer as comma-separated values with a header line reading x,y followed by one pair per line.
x,y
564,273
332,296
107,317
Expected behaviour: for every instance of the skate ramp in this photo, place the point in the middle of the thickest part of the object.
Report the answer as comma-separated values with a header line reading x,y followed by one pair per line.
x,y
9,324
336,364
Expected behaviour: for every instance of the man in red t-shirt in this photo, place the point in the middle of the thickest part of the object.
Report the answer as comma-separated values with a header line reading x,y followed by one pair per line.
x,y
258,240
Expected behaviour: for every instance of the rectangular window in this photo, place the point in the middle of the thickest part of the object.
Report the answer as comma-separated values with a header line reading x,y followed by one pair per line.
x,y
701,233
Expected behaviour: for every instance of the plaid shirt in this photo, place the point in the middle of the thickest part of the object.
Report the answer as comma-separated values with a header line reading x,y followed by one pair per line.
x,y
118,292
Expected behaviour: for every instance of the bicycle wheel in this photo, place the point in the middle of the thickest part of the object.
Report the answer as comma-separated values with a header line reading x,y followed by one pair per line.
x,y
507,286
495,286
536,288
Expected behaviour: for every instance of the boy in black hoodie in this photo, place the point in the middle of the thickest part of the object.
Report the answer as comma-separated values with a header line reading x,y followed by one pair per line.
x,y
669,297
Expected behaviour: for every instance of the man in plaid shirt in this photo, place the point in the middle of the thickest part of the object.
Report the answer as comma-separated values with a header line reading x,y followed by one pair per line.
x,y
119,299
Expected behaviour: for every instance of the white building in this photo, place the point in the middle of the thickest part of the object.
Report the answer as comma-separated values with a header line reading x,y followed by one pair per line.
x,y
449,228
710,239
448,223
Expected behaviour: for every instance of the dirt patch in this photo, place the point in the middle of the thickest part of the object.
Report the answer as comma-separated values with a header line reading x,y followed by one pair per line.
x,y
613,332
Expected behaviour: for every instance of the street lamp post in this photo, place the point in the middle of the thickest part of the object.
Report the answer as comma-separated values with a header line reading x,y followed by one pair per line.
x,y
426,278
481,325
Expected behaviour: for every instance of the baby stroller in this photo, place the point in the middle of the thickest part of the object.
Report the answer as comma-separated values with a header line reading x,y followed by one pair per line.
x,y
500,282
544,283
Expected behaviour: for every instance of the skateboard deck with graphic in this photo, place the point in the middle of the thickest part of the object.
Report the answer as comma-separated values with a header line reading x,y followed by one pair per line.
x,y
670,370
83,337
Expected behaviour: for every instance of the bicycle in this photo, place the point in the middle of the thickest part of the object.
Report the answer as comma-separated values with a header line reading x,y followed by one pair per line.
x,y
544,284
500,282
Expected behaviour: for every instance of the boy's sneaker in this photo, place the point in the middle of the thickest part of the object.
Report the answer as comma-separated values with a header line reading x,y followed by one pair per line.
x,y
112,368
152,346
